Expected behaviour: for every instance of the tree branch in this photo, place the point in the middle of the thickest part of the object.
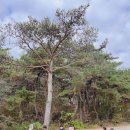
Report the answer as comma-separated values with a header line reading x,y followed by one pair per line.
x,y
59,43
26,66
66,66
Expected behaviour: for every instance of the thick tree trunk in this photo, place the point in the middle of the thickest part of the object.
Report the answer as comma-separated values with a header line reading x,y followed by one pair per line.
x,y
49,98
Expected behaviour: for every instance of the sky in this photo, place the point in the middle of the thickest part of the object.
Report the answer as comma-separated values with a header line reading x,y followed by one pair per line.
x,y
110,17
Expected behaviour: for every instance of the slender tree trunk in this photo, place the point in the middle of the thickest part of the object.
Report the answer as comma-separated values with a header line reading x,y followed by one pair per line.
x,y
36,111
76,104
49,98
80,108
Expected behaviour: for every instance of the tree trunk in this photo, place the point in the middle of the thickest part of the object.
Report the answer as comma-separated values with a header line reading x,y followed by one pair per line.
x,y
49,97
80,108
76,104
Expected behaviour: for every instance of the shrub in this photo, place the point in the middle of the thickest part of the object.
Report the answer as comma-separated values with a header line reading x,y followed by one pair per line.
x,y
24,126
77,124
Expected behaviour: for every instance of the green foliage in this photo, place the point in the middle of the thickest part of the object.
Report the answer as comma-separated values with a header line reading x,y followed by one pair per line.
x,y
64,92
91,126
3,53
25,125
37,125
77,124
15,103
19,97
78,80
16,75
5,122
26,95
53,127
5,67
117,118
67,117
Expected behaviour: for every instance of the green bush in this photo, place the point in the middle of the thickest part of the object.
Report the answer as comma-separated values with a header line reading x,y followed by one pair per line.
x,y
25,125
67,117
37,125
91,126
77,124
117,117
53,127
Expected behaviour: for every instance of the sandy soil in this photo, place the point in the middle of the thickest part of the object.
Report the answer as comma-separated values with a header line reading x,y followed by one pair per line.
x,y
115,128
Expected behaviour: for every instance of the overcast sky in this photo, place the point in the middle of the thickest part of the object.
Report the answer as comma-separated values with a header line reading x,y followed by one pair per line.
x,y
111,17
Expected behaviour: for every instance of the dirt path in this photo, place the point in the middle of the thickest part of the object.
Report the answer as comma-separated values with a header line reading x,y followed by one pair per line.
x,y
115,128
121,128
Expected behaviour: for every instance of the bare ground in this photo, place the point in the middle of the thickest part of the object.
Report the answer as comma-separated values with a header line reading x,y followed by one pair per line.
x,y
126,127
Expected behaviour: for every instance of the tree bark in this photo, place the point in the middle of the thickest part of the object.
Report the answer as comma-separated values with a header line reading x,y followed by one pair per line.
x,y
76,104
49,97
80,108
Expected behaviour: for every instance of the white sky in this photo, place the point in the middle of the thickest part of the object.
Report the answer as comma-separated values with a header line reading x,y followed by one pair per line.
x,y
111,17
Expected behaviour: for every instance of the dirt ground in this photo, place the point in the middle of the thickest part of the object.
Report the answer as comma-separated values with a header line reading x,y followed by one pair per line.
x,y
127,127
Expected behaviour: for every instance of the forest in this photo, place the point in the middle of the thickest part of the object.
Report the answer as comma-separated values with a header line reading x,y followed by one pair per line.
x,y
61,78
